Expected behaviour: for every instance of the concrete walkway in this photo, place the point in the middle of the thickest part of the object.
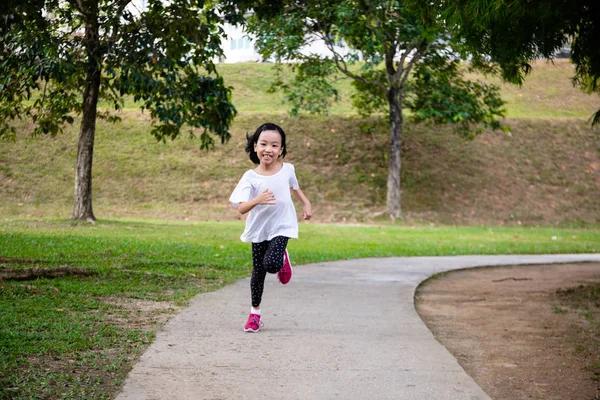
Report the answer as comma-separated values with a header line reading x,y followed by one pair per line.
x,y
340,330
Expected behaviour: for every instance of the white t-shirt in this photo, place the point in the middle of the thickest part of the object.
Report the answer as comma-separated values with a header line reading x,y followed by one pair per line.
x,y
264,222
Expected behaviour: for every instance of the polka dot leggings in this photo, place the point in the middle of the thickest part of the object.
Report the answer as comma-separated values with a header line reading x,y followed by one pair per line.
x,y
267,256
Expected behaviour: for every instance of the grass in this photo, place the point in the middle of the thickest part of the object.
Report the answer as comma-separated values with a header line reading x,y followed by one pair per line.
x,y
82,334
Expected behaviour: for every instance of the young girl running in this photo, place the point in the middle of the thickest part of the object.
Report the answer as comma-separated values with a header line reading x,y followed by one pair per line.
x,y
264,192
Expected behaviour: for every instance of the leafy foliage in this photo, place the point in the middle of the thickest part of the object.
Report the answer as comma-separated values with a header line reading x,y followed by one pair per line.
x,y
507,35
161,56
439,93
369,99
31,58
311,87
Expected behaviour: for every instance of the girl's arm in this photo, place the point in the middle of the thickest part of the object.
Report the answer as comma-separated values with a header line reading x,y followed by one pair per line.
x,y
266,197
307,213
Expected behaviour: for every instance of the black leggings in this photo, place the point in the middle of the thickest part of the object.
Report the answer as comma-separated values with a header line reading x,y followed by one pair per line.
x,y
267,256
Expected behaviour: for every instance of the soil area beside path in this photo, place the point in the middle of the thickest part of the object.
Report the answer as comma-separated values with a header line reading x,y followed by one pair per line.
x,y
522,332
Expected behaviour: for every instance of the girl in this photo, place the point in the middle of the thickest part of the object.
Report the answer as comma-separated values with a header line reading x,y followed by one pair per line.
x,y
265,192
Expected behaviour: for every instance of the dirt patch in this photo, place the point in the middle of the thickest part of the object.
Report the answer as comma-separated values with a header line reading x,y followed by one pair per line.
x,y
522,332
143,314
30,274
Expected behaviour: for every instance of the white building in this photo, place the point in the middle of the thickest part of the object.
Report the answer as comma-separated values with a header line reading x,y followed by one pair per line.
x,y
238,46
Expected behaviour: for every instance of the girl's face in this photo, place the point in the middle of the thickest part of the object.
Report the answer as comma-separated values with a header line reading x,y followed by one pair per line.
x,y
268,148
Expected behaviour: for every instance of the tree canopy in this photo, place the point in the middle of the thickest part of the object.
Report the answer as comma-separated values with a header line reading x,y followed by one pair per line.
x,y
161,56
407,61
509,34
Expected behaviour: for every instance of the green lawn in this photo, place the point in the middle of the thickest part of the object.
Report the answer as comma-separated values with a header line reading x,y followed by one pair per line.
x,y
77,336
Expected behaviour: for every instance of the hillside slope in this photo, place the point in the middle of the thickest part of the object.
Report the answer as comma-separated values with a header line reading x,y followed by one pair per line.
x,y
546,171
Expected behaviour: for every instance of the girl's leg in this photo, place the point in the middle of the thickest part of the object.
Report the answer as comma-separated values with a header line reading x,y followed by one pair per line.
x,y
273,259
257,281
267,256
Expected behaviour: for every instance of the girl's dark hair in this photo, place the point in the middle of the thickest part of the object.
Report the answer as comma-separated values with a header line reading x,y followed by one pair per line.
x,y
252,139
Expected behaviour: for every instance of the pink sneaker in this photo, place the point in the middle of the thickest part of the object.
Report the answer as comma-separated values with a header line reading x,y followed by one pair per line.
x,y
285,273
254,323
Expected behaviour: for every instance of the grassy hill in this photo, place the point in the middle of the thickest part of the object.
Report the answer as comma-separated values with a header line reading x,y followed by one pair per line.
x,y
546,171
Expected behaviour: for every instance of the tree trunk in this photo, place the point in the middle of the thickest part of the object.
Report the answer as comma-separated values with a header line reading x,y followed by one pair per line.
x,y
394,160
85,150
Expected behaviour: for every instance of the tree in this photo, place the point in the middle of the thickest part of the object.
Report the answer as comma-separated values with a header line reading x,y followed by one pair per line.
x,y
60,57
507,35
409,63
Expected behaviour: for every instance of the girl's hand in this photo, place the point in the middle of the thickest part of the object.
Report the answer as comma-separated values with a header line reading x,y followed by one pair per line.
x,y
266,198
307,213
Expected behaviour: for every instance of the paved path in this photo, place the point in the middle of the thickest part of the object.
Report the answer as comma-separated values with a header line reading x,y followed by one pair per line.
x,y
340,330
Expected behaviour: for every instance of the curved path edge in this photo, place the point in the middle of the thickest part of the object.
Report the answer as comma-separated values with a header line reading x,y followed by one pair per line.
x,y
339,330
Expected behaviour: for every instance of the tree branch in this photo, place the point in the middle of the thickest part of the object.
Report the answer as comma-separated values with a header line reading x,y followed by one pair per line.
x,y
343,66
419,53
403,59
389,62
